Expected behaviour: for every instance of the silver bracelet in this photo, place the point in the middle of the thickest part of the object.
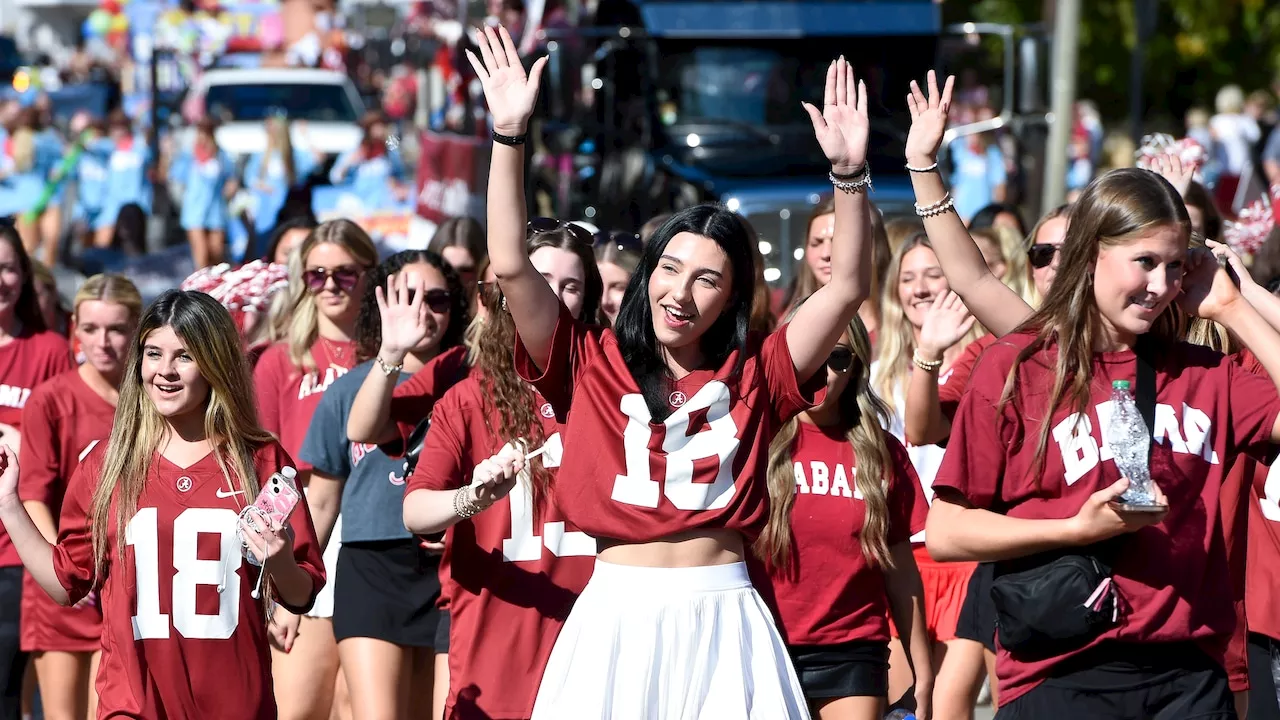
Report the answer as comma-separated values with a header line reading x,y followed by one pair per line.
x,y
938,208
930,168
861,183
388,370
463,506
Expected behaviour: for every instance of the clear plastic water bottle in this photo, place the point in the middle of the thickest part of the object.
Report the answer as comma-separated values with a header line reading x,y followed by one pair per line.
x,y
900,714
1130,442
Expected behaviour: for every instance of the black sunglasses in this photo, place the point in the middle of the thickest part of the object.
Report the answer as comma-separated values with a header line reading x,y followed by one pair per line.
x,y
440,301
344,277
1041,255
624,240
840,359
541,225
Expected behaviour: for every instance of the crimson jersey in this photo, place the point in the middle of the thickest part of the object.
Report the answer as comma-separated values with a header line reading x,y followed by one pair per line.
x,y
288,397
515,574
27,361
181,636
414,398
63,420
1169,577
829,592
952,383
637,480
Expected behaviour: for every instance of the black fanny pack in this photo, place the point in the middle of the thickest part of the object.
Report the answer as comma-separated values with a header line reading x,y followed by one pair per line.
x,y
1054,602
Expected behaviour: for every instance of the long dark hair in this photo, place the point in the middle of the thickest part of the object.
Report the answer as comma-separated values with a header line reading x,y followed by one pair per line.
x,y
27,309
369,321
634,328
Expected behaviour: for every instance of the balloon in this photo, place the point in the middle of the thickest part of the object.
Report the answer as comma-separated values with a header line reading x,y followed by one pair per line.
x,y
119,23
99,22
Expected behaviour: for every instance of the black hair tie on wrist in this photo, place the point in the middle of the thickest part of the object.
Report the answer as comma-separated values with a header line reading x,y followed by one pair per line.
x,y
508,140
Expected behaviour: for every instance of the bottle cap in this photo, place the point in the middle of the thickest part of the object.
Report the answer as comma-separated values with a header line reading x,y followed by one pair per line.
x,y
1119,384
288,473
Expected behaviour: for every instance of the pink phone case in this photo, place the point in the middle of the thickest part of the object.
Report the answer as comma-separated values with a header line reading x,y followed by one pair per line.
x,y
277,499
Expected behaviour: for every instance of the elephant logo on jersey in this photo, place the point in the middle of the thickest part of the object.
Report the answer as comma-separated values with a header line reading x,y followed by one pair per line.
x,y
700,442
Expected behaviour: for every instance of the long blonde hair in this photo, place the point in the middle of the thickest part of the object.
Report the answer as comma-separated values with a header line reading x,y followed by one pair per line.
x,y
278,140
1114,209
304,327
863,415
111,288
896,340
230,416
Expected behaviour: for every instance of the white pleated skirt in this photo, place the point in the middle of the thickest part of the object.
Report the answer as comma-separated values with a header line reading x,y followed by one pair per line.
x,y
669,644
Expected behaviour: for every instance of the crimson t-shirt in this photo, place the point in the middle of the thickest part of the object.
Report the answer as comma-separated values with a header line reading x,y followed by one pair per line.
x,y
288,397
63,421
637,480
952,383
829,592
1173,578
414,398
27,361
181,636
514,574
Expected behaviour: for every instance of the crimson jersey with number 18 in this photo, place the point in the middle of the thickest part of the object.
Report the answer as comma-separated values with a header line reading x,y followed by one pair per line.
x,y
637,480
515,573
181,636
63,420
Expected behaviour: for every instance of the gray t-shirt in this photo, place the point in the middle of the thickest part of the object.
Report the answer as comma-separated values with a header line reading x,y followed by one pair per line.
x,y
373,495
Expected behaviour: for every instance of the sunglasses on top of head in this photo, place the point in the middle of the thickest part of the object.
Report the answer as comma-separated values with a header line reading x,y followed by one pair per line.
x,y
840,359
1041,255
344,278
541,225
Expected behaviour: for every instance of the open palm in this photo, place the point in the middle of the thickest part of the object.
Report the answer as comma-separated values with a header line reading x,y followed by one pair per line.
x,y
928,119
508,90
842,127
403,314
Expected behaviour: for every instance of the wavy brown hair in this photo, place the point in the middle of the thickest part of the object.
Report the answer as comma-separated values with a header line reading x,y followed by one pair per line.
x,y
1114,209
863,417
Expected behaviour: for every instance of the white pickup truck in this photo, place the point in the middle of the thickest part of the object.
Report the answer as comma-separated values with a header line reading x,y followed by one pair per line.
x,y
242,99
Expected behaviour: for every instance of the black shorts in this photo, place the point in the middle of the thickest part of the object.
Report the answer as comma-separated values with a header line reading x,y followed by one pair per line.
x,y
1120,681
442,632
13,662
852,669
387,590
1264,654
977,619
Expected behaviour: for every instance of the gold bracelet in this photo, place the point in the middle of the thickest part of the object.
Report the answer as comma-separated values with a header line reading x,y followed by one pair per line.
x,y
925,365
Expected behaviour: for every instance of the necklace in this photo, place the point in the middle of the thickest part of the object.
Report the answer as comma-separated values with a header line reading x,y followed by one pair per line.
x,y
336,351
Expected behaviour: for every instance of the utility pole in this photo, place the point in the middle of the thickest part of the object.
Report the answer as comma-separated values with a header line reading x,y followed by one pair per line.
x,y
1066,51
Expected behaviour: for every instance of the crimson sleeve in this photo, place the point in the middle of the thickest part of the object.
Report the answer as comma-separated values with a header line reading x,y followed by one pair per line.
x,y
442,462
38,456
306,546
788,396
73,555
1254,406
573,345
908,508
267,381
957,378
975,458
414,399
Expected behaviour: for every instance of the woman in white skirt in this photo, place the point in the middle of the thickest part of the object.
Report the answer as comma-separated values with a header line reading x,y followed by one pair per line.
x,y
666,424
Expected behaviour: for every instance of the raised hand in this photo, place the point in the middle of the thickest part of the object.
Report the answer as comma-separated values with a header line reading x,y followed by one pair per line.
x,y
928,120
1207,288
1169,166
405,320
508,90
945,324
1224,252
842,127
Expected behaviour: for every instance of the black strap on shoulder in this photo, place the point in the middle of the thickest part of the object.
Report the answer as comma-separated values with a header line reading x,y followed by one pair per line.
x,y
1145,393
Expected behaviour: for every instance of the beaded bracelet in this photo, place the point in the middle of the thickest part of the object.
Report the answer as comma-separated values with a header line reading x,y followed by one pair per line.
x,y
925,365
463,506
938,208
929,168
856,182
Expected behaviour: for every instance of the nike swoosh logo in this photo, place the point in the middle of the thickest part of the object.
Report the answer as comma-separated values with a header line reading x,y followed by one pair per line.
x,y
233,493
85,453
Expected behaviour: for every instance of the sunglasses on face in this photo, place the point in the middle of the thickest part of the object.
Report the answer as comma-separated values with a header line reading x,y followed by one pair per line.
x,y
840,359
541,225
440,301
345,278
624,240
1041,255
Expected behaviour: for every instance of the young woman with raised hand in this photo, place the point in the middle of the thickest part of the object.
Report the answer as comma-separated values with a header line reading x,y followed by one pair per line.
x,y
64,419
514,564
844,503
30,354
387,585
1027,470
291,377
668,419
151,522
